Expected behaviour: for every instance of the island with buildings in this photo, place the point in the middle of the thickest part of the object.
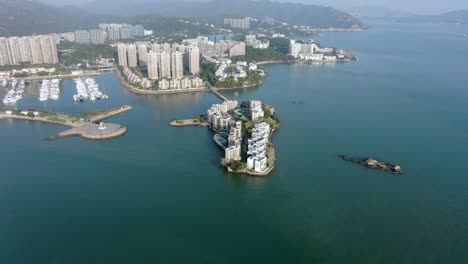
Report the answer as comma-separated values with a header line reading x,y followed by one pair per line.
x,y
243,132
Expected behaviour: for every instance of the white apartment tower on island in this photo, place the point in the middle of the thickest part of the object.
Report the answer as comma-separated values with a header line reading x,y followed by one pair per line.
x,y
257,147
256,111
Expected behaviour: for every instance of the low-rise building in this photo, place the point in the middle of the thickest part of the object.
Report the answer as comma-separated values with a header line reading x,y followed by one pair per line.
x,y
163,84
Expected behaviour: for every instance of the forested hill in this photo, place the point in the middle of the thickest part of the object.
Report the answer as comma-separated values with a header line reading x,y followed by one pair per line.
x,y
23,17
296,14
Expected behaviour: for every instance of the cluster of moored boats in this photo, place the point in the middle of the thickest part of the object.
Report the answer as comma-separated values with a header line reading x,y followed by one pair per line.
x,y
15,93
49,90
88,89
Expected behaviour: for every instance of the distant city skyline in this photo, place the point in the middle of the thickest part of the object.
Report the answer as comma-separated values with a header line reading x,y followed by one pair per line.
x,y
414,6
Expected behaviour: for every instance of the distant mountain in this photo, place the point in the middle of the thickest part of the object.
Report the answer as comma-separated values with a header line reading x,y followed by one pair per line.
x,y
458,17
24,17
296,14
376,11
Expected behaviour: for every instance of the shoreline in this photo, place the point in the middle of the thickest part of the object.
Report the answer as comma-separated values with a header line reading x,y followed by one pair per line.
x,y
62,77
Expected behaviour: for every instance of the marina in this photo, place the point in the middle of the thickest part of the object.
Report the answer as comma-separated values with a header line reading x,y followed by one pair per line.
x,y
88,89
15,93
49,90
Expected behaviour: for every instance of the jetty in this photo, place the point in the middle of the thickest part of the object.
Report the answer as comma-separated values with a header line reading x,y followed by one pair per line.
x,y
374,164
84,127
188,122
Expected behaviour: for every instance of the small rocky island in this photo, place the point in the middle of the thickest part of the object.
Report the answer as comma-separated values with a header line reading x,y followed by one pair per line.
x,y
374,164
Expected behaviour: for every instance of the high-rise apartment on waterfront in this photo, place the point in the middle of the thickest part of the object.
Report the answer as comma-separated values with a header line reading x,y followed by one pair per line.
x,y
142,54
40,49
164,65
153,65
177,66
194,60
132,55
122,54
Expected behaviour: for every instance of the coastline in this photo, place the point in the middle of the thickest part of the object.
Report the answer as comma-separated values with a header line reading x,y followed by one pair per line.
x,y
65,76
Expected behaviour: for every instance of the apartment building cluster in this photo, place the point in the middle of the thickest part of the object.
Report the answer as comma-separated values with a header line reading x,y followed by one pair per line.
x,y
40,49
242,23
218,116
105,32
312,52
234,149
257,147
163,61
252,41
217,46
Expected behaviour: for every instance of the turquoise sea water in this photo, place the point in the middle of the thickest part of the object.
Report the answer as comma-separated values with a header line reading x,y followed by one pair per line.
x,y
158,194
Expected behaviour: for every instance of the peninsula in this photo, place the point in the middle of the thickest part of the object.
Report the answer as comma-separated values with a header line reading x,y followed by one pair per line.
x,y
85,127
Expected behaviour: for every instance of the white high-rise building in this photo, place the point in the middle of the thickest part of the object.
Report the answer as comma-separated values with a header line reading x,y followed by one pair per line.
x,y
132,55
177,66
82,37
97,36
156,48
194,60
164,65
41,49
142,54
122,54
166,47
153,63
4,59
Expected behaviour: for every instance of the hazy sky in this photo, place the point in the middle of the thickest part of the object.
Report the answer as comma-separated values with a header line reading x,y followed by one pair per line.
x,y
415,6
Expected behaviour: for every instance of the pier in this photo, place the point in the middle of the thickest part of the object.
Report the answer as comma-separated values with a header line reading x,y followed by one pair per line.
x,y
109,113
217,93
